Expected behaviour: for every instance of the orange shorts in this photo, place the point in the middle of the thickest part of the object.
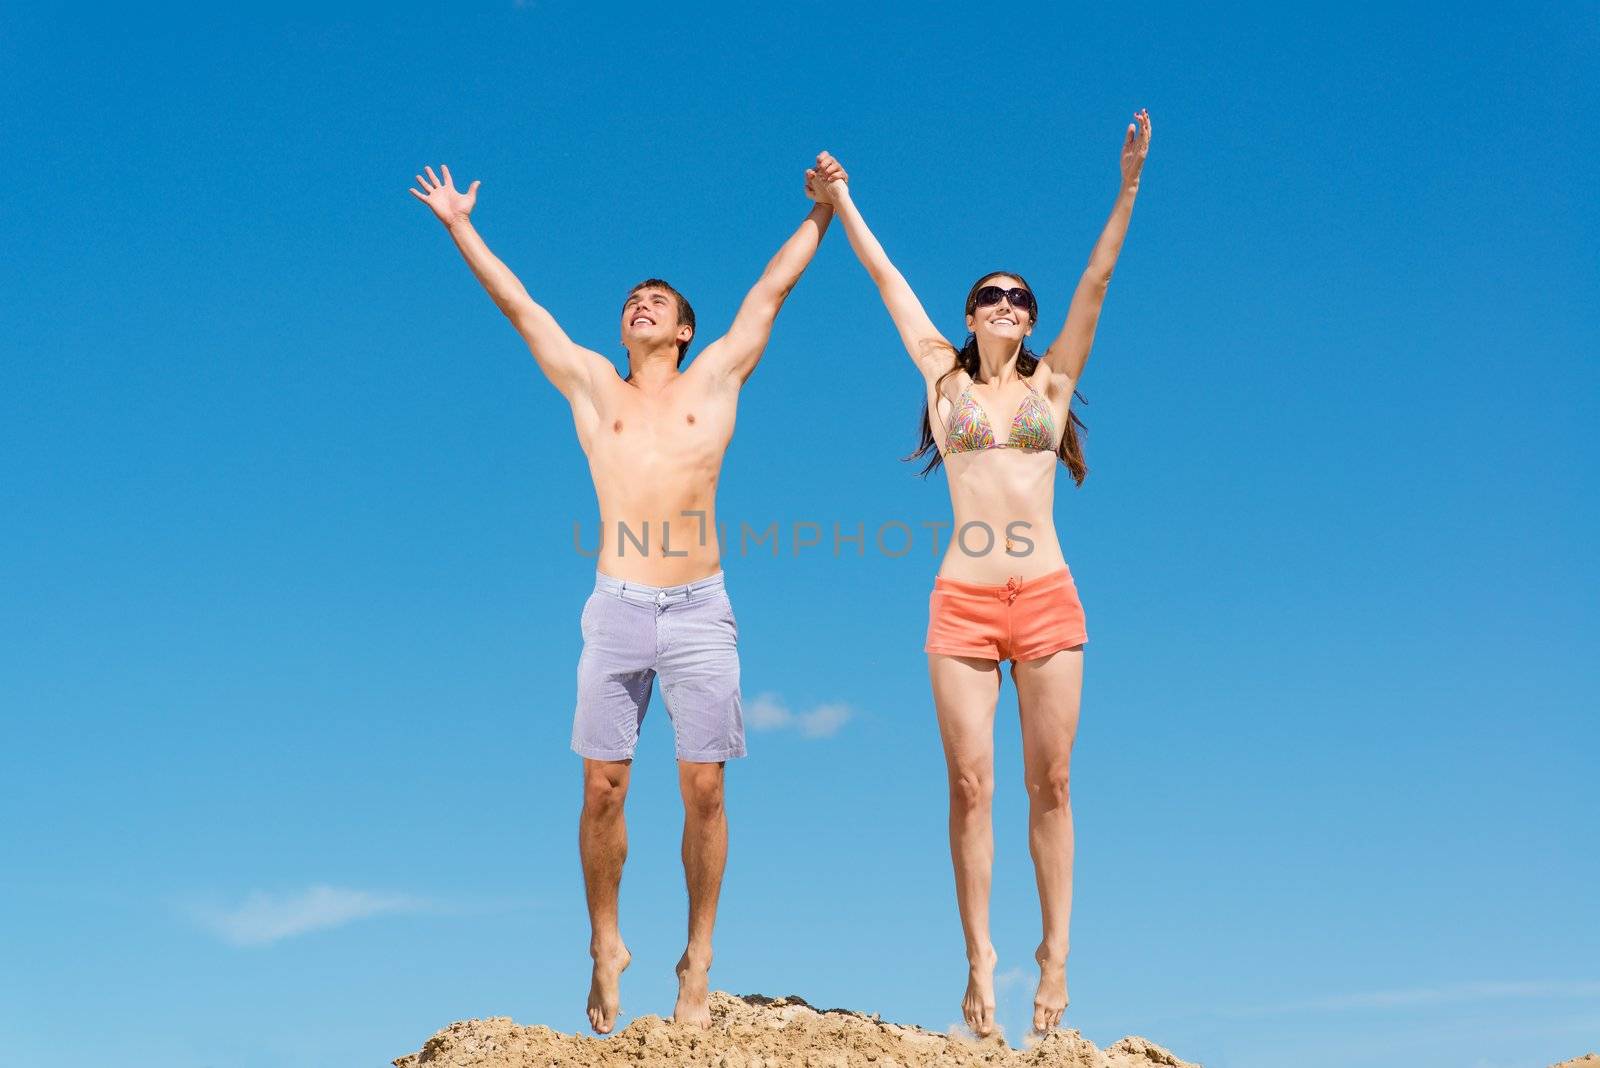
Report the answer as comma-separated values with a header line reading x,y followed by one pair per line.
x,y
1022,620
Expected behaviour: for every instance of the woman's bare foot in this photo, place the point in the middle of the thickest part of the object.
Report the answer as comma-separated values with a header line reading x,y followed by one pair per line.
x,y
605,986
1051,999
694,986
977,1007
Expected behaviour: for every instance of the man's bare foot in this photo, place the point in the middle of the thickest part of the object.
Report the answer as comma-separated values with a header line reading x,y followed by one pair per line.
x,y
694,986
605,986
1051,999
977,1007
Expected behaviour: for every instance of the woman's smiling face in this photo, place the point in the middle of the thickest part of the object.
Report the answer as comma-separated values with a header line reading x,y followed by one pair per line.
x,y
1004,319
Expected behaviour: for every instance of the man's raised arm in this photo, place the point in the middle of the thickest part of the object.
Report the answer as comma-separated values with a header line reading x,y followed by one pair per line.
x,y
737,352
569,367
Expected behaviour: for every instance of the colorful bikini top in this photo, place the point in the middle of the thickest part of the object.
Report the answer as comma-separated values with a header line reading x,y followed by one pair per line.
x,y
968,429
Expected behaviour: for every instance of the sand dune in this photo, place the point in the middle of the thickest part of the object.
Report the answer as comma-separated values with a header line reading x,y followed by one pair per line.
x,y
759,1032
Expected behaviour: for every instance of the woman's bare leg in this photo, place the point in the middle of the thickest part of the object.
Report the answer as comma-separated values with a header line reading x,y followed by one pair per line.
x,y
965,690
1048,691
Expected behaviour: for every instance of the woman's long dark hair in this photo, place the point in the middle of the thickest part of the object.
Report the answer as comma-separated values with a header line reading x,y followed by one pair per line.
x,y
965,359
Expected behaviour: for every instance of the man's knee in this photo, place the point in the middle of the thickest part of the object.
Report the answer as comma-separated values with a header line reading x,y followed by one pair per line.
x,y
702,790
605,787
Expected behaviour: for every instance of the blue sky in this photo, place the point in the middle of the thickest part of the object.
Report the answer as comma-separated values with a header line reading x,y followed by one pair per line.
x,y
291,605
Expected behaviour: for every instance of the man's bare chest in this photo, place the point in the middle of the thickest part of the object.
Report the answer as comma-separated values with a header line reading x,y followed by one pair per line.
x,y
678,422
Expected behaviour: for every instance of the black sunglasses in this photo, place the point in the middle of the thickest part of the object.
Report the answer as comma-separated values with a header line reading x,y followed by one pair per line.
x,y
1019,298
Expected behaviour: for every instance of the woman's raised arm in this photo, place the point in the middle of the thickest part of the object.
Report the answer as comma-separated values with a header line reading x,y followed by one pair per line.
x,y
926,346
1070,350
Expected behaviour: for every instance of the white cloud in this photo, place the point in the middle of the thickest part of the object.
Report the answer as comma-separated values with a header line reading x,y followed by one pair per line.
x,y
824,721
265,918
768,713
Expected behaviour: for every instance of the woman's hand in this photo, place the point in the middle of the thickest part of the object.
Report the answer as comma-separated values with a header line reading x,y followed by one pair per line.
x,y
450,204
826,180
1135,147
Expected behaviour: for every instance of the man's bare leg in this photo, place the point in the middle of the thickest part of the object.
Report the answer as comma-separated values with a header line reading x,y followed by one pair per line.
x,y
705,854
603,845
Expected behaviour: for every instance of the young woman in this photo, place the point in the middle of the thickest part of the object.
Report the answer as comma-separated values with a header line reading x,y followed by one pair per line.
x,y
999,419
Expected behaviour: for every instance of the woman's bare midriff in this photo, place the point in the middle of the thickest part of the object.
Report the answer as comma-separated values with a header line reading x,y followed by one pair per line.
x,y
1004,525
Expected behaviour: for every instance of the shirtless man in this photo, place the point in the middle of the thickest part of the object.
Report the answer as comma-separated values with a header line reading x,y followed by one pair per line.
x,y
655,442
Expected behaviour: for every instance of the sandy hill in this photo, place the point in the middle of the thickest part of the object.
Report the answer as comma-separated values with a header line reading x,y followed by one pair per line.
x,y
760,1032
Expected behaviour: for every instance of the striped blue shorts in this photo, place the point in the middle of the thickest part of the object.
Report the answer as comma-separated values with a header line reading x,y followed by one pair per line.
x,y
685,634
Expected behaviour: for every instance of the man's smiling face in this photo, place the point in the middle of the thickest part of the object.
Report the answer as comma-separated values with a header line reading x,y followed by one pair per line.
x,y
651,317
